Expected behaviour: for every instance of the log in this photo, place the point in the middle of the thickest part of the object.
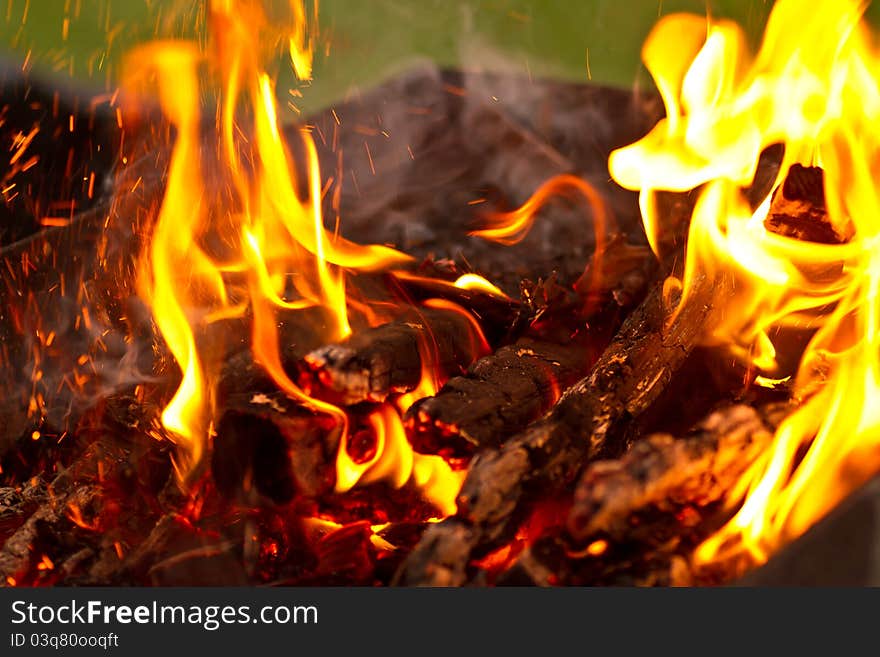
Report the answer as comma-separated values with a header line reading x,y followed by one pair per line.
x,y
665,473
269,447
587,423
391,358
635,520
500,394
503,392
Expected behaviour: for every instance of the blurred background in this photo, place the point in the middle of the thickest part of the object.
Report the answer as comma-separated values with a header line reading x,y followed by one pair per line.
x,y
363,41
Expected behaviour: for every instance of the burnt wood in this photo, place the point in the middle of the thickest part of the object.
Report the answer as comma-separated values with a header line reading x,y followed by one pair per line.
x,y
268,447
664,472
500,394
797,209
504,391
635,520
377,362
587,423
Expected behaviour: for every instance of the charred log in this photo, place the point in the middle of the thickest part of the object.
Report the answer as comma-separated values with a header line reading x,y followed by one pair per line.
x,y
665,473
798,210
504,391
271,448
391,358
635,520
500,394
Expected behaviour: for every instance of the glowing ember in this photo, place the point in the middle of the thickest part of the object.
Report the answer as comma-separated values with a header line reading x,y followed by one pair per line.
x,y
812,87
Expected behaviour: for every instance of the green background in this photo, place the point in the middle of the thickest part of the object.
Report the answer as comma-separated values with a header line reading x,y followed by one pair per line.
x,y
370,39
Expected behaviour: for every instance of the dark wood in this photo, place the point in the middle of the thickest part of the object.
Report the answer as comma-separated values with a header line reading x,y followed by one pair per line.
x,y
505,391
586,424
268,447
663,472
635,520
500,394
798,210
390,358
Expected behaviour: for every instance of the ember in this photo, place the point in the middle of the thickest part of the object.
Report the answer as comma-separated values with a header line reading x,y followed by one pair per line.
x,y
423,339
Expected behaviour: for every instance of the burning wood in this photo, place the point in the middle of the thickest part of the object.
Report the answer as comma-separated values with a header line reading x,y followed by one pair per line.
x,y
588,422
441,339
504,391
667,473
319,410
634,520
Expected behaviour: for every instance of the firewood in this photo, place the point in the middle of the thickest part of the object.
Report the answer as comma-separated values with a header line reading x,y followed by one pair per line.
x,y
50,525
268,447
500,394
504,391
388,359
663,472
798,210
586,423
635,520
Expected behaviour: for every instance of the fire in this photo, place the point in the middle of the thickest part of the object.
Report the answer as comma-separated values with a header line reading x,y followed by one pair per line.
x,y
512,227
395,463
814,86
474,282
256,246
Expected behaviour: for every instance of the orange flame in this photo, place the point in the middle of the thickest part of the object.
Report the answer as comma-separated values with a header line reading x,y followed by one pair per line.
x,y
814,86
395,463
512,227
476,283
276,254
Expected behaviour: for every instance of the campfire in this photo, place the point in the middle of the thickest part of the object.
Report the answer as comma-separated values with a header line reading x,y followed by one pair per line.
x,y
423,337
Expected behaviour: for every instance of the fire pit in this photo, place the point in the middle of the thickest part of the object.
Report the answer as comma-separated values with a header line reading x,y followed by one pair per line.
x,y
423,337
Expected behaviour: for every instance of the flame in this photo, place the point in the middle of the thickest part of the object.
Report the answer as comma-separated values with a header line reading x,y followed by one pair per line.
x,y
476,283
302,42
395,463
275,253
813,87
511,227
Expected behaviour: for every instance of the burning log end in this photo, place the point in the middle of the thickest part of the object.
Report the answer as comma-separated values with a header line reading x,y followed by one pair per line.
x,y
505,391
500,393
387,359
269,447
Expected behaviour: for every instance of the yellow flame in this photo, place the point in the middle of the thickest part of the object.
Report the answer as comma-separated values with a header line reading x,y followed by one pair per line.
x,y
477,283
813,86
512,227
302,43
395,463
276,254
